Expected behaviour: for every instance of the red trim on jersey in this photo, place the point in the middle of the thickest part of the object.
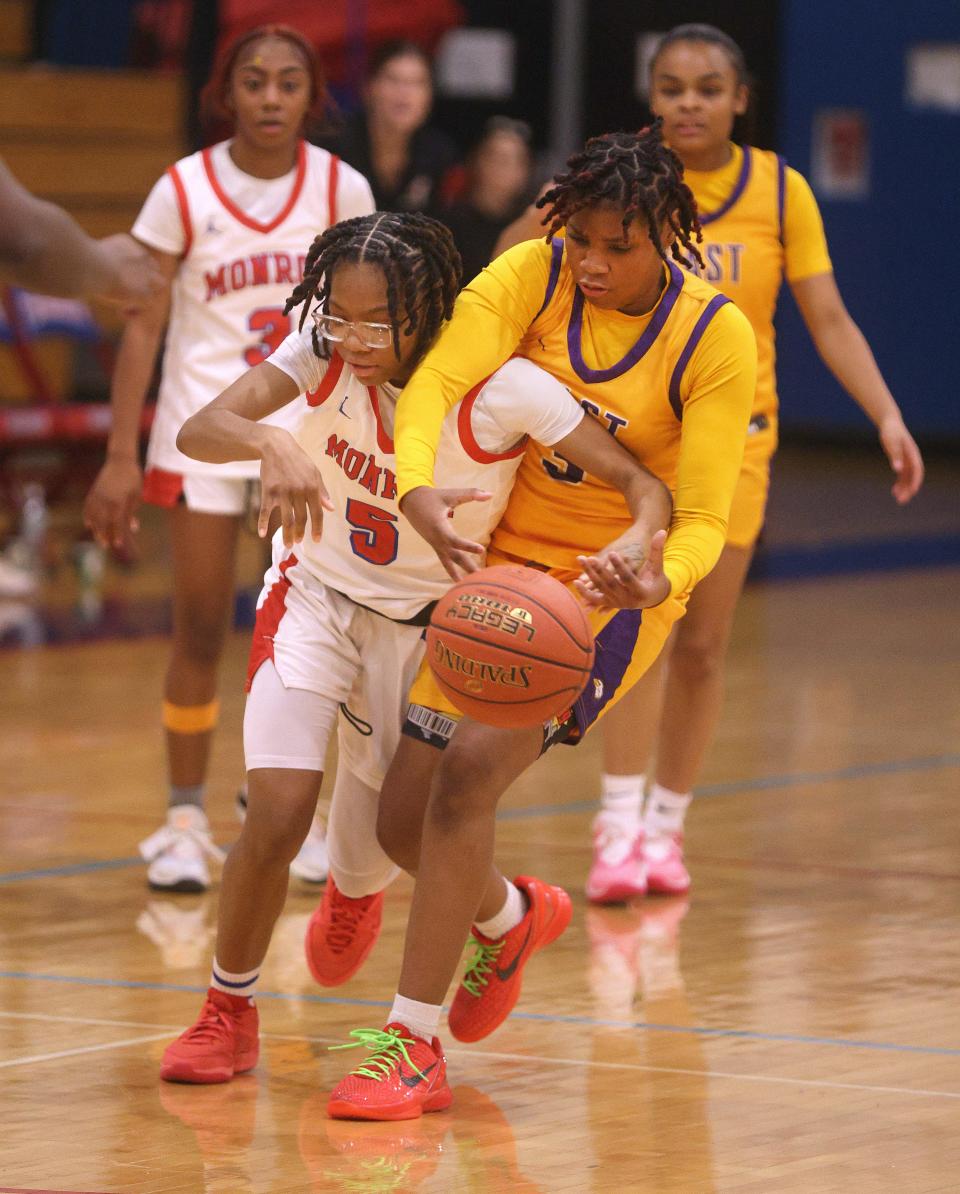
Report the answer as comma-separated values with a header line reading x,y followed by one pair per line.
x,y
184,207
162,488
323,391
332,189
468,439
384,442
268,621
242,216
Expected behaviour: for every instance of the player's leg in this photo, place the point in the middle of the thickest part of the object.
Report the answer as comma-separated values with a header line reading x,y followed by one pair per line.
x,y
693,698
285,738
693,694
203,550
455,859
618,869
343,930
403,804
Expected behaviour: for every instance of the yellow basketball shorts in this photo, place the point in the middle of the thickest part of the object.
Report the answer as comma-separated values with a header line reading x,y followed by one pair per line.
x,y
749,504
627,642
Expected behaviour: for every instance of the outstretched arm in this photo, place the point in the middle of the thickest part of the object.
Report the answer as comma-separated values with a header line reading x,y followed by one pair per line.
x,y
847,355
44,249
228,428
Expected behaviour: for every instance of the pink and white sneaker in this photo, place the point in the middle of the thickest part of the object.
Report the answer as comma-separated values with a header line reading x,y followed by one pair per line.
x,y
666,871
618,871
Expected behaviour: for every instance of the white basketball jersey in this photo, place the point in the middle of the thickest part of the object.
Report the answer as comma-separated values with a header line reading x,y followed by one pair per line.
x,y
235,275
368,550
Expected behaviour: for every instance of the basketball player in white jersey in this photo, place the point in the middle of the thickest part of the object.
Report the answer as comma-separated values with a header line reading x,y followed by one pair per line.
x,y
339,624
227,227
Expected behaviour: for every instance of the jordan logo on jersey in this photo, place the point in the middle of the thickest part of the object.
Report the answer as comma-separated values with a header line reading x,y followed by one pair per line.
x,y
362,467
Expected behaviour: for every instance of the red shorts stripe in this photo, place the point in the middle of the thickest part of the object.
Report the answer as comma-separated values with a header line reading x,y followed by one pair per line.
x,y
268,620
161,488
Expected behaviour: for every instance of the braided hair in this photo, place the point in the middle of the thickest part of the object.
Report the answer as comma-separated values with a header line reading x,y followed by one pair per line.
x,y
636,172
419,261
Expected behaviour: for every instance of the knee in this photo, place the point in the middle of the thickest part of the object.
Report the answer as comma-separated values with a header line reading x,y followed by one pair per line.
x,y
275,840
200,637
458,793
699,658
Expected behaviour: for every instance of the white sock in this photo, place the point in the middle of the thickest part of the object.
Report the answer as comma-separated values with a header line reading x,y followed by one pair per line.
x,y
423,1019
234,984
665,811
509,916
620,799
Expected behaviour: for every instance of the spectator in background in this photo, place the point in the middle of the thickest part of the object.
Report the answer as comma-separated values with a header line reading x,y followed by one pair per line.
x,y
497,190
404,159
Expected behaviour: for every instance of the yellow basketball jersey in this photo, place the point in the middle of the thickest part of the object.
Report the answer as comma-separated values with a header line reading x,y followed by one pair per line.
x,y
760,223
633,374
688,366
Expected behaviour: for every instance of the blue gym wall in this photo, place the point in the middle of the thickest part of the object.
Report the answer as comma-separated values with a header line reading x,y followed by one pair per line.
x,y
895,252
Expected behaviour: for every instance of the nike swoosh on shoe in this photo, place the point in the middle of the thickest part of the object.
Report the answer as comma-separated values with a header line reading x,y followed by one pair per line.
x,y
416,1079
505,974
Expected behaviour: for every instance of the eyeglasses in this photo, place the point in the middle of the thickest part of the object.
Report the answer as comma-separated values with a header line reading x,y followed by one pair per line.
x,y
370,335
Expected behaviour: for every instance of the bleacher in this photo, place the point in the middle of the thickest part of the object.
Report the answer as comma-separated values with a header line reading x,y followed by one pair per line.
x,y
93,141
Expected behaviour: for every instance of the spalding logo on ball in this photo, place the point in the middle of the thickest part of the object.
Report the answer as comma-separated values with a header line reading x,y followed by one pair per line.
x,y
510,646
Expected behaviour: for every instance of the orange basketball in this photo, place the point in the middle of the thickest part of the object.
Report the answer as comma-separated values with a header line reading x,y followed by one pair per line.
x,y
510,646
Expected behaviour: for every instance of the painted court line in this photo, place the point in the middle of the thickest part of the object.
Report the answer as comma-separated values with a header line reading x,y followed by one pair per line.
x,y
540,1017
763,783
133,1040
537,1059
493,1056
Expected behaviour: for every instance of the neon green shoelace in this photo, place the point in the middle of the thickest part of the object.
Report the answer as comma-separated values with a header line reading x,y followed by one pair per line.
x,y
476,975
387,1050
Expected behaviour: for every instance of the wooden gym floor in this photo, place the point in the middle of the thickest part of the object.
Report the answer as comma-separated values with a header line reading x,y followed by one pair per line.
x,y
791,1027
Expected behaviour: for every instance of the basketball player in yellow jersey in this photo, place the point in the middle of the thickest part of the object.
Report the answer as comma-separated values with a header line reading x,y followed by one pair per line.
x,y
760,225
668,365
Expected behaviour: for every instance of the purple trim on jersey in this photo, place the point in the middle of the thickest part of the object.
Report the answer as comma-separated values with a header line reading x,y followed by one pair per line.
x,y
615,645
707,217
718,301
642,345
555,260
781,193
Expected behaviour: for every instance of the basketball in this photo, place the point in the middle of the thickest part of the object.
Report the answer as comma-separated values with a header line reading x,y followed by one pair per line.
x,y
510,646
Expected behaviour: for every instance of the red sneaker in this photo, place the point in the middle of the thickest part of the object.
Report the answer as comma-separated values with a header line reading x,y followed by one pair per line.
x,y
224,1041
341,934
402,1077
491,983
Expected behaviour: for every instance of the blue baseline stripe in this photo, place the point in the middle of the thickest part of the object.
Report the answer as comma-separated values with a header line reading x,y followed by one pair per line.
x,y
790,1038
532,812
783,562
760,784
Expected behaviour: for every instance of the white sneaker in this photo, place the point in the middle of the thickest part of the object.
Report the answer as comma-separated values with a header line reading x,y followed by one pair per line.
x,y
312,863
16,581
183,935
177,852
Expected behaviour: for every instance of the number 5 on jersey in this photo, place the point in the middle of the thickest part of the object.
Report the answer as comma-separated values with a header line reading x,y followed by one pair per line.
x,y
376,538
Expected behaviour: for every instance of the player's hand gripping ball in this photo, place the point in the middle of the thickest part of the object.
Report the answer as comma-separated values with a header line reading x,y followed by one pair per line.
x,y
510,646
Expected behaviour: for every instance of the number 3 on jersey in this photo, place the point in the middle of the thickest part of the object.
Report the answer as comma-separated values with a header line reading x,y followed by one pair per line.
x,y
376,538
274,326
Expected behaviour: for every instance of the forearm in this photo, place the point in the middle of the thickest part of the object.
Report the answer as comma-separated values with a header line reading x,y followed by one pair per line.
x,y
132,375
50,253
219,436
846,353
650,506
